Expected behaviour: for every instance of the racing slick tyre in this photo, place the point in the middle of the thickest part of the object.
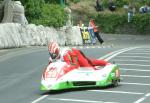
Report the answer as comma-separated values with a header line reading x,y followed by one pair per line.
x,y
115,83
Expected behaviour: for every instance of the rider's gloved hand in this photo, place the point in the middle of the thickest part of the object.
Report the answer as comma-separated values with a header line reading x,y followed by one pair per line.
x,y
50,60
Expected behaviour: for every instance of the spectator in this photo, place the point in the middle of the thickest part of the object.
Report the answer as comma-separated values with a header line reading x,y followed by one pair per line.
x,y
144,9
80,24
131,11
98,6
112,6
96,32
148,9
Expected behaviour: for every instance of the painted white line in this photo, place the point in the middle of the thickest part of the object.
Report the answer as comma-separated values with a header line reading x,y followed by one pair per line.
x,y
134,57
114,52
143,98
119,92
140,84
139,76
140,51
121,51
148,94
132,60
134,64
143,50
78,100
140,70
140,100
135,53
39,99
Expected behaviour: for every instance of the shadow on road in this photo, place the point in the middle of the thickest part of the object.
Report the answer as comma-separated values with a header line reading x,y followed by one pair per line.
x,y
54,92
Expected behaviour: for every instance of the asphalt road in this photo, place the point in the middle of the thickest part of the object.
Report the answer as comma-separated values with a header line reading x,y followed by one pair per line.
x,y
20,74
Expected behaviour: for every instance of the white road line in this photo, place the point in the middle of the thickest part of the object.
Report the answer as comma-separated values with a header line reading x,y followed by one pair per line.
x,y
78,100
121,92
115,53
132,60
39,99
139,76
140,70
140,100
123,56
141,84
134,64
141,51
143,98
135,53
119,52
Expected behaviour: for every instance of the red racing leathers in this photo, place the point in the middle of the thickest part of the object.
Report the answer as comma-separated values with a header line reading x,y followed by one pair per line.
x,y
75,58
86,62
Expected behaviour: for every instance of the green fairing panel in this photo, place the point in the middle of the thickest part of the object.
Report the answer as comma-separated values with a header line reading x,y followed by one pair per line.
x,y
43,87
67,85
62,85
110,77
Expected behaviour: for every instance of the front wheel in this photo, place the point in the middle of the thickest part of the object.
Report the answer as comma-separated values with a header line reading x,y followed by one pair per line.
x,y
115,83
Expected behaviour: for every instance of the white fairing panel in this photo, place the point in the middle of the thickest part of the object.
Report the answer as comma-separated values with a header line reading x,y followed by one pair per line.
x,y
87,74
54,74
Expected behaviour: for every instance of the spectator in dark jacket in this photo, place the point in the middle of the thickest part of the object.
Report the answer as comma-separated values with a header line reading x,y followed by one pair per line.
x,y
112,6
98,5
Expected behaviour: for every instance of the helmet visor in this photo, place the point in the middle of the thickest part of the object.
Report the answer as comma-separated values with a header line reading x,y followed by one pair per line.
x,y
53,55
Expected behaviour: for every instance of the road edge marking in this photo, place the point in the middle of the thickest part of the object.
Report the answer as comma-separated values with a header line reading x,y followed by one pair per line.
x,y
142,98
39,99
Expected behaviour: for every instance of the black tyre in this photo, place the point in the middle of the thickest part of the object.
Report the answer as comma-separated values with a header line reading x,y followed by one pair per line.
x,y
115,83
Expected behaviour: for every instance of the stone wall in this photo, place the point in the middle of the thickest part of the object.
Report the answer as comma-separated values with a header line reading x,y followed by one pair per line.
x,y
14,35
12,12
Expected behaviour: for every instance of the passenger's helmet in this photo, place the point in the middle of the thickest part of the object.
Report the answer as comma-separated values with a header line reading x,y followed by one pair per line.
x,y
54,50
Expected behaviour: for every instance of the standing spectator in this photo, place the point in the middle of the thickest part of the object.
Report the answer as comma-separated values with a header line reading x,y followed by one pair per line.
x,y
144,9
148,9
112,6
80,24
98,5
96,32
131,11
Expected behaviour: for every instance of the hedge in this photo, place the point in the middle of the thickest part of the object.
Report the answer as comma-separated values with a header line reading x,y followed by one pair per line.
x,y
117,23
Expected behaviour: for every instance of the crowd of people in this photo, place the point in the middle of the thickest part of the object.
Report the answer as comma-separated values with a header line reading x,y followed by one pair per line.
x,y
130,8
112,6
96,29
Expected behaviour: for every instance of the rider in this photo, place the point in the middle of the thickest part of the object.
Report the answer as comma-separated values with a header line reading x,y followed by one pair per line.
x,y
74,57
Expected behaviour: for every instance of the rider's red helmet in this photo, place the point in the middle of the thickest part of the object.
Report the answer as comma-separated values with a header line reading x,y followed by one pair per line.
x,y
54,50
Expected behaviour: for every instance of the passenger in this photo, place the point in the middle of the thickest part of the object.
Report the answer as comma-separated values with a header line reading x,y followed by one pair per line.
x,y
73,57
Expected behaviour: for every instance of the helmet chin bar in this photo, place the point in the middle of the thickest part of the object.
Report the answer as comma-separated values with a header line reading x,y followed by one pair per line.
x,y
53,55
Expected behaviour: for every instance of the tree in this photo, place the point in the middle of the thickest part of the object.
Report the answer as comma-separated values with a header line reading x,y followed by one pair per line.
x,y
52,15
52,1
33,8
